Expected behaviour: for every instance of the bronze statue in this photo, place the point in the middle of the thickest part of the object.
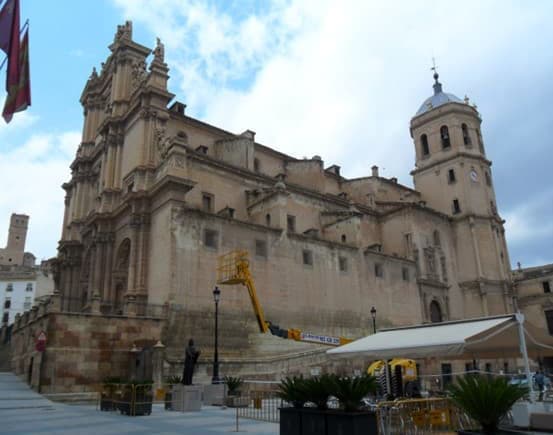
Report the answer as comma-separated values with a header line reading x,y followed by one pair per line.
x,y
190,360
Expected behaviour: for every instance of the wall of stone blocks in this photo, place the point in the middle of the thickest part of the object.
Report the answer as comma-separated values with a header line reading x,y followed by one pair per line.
x,y
82,349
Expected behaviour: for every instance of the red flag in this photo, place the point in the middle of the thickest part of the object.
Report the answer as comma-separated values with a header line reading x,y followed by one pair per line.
x,y
19,97
9,40
7,15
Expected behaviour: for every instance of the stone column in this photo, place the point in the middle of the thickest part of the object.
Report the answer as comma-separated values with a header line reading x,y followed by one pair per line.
x,y
157,365
108,267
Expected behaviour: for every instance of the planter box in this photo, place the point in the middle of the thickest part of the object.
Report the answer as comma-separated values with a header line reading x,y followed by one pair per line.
x,y
351,423
290,421
237,402
313,422
106,404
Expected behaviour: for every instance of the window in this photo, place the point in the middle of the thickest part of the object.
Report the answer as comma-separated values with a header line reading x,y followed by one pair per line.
x,y
466,137
27,304
307,257
408,243
9,287
451,176
29,287
435,312
7,304
480,142
447,377
549,321
5,317
488,178
443,265
261,248
291,223
344,238
210,238
207,202
405,274
256,165
268,219
378,270
546,287
343,264
444,135
456,207
436,238
424,145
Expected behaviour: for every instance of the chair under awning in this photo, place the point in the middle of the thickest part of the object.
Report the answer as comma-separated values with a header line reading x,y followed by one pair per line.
x,y
489,337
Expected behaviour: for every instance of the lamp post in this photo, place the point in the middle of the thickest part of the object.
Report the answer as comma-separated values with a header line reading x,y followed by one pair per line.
x,y
216,297
373,314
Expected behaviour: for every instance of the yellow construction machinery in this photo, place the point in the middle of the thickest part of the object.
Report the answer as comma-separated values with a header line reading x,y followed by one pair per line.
x,y
399,380
234,268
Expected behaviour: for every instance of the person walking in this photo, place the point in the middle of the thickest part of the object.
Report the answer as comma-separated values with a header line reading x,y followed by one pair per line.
x,y
539,378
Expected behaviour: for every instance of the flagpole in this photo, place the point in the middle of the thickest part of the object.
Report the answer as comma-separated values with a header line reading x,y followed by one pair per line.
x,y
25,25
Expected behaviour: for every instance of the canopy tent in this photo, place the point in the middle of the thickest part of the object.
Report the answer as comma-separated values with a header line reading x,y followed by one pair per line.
x,y
489,337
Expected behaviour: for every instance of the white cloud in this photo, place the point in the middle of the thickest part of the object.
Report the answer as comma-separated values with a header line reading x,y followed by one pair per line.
x,y
525,222
337,79
32,175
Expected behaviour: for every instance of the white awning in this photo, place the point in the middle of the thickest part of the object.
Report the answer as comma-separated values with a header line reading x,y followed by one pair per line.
x,y
490,337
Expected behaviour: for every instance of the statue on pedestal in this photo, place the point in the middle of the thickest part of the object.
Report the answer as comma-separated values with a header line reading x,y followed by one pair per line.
x,y
190,359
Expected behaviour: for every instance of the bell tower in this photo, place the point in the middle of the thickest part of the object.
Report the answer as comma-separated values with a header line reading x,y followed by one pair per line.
x,y
454,177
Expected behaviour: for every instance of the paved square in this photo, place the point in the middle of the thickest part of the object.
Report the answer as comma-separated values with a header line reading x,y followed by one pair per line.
x,y
22,411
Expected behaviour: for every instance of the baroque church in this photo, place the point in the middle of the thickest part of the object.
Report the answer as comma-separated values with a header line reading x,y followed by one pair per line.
x,y
156,196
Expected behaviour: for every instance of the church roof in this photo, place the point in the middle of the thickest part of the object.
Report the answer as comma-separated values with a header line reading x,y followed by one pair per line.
x,y
438,99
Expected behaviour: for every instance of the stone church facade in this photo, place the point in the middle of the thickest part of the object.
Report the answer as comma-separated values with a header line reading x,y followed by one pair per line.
x,y
156,196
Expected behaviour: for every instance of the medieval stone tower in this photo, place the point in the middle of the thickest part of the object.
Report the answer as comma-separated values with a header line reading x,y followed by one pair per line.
x,y
12,255
454,177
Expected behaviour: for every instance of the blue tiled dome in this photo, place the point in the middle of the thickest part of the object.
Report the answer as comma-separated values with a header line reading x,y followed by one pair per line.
x,y
438,99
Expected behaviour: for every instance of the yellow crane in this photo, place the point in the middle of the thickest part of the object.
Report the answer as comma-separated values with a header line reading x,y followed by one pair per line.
x,y
234,268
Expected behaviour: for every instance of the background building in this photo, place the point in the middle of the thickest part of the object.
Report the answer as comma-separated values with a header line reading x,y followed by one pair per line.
x,y
21,281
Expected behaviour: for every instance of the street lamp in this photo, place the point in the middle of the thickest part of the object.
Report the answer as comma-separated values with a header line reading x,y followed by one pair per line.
x,y
216,297
373,314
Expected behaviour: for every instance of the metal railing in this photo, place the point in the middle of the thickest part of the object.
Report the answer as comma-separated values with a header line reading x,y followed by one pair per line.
x,y
262,406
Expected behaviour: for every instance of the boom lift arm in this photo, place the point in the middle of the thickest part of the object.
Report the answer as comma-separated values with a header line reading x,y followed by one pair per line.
x,y
234,268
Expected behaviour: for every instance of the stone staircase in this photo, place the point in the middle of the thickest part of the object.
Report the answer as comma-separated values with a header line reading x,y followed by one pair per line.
x,y
5,357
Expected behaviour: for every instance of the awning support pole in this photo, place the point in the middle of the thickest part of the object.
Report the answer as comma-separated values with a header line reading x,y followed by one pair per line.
x,y
522,341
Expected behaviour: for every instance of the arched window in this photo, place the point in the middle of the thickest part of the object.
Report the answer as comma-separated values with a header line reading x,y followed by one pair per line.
x,y
466,137
444,134
424,145
344,238
435,312
436,238
480,141
123,254
268,219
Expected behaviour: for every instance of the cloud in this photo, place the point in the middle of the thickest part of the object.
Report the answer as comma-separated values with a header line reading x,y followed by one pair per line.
x,y
343,79
32,175
525,222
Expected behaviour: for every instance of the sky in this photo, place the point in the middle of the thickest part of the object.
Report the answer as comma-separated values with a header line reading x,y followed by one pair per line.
x,y
336,79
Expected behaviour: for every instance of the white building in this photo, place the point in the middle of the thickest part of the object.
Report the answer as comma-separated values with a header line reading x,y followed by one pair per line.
x,y
17,290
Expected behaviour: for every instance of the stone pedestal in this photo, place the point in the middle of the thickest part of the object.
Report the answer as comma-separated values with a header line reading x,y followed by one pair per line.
x,y
187,397
214,394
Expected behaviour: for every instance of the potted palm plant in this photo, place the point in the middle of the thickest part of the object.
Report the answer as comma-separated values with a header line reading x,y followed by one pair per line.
x,y
291,390
351,418
170,381
318,390
233,391
486,401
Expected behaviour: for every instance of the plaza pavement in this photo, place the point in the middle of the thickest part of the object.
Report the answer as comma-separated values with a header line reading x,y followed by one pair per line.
x,y
23,411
